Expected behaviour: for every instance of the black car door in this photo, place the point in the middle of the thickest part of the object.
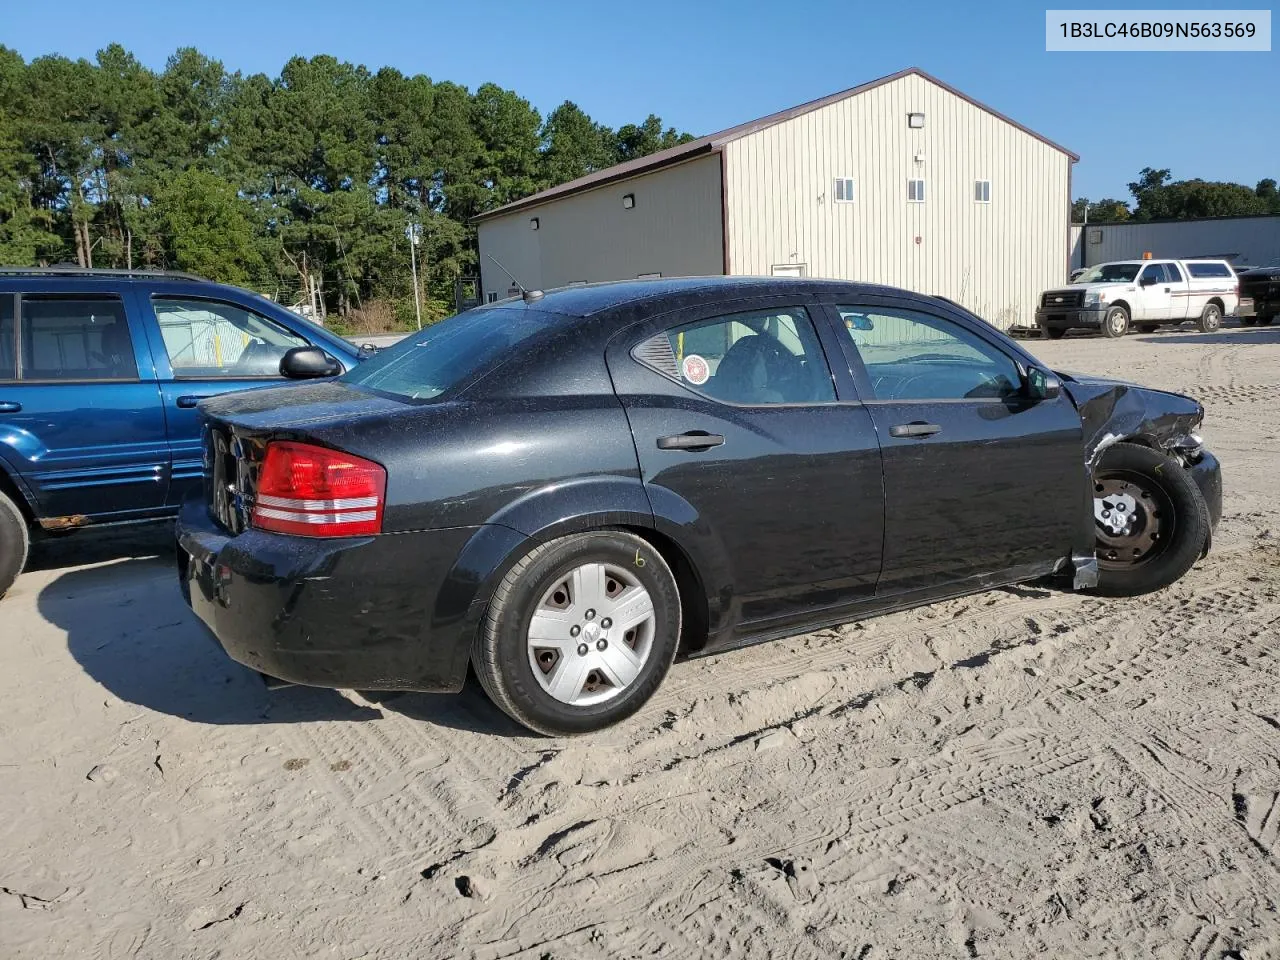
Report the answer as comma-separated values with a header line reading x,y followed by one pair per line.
x,y
737,423
980,479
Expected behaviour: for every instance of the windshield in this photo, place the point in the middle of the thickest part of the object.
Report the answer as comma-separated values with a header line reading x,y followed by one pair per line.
x,y
426,364
1110,273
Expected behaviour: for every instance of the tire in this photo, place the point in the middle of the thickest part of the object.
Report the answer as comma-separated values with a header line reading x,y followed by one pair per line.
x,y
1167,521
1266,321
1116,323
1210,318
519,675
14,543
1054,333
1148,327
1248,321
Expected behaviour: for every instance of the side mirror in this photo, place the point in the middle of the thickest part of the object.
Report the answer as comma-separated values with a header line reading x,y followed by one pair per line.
x,y
1042,385
307,363
1147,281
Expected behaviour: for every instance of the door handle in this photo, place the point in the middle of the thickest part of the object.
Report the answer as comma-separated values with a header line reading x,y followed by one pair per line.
x,y
10,406
917,428
189,401
1167,290
692,440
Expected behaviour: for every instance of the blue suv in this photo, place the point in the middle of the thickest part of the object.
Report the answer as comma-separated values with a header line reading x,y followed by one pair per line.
x,y
100,374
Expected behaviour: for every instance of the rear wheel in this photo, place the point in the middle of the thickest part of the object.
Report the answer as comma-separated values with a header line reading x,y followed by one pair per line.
x,y
579,633
1265,320
1116,322
1210,318
1148,327
14,543
1054,333
1248,321
1151,521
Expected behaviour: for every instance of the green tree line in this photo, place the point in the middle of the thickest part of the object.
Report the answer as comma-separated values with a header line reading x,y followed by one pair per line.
x,y
1157,196
305,181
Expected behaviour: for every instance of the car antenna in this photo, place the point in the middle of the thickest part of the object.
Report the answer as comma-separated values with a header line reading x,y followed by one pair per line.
x,y
529,295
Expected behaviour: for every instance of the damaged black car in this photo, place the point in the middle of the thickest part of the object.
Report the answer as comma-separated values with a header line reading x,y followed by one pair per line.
x,y
565,492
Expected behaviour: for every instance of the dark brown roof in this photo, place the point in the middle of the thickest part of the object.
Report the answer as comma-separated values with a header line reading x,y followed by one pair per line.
x,y
712,143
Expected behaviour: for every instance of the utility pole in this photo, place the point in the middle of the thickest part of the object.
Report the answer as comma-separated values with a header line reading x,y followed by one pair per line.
x,y
414,232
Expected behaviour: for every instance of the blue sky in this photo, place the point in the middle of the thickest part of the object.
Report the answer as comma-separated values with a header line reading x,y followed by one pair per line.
x,y
703,65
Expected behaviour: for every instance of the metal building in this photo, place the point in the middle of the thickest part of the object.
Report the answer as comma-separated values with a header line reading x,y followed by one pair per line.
x,y
904,181
1254,241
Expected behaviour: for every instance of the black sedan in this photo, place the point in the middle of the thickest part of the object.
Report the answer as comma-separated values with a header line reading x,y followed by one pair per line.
x,y
563,492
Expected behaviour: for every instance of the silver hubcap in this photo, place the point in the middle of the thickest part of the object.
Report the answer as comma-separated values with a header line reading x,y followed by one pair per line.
x,y
591,634
1117,513
1117,322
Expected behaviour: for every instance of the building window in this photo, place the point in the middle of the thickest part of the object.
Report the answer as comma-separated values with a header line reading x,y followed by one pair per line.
x,y
982,191
915,191
493,298
915,120
648,276
843,191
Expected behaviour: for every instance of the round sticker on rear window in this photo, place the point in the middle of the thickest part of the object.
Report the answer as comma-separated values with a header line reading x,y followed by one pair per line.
x,y
696,370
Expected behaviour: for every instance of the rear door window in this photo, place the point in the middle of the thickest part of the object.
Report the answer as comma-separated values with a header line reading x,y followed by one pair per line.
x,y
75,338
758,358
211,339
8,343
1174,274
445,355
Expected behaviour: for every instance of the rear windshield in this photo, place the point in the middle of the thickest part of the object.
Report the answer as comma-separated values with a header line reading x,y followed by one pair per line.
x,y
426,364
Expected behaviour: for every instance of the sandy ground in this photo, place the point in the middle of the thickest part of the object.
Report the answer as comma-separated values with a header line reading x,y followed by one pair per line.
x,y
1023,772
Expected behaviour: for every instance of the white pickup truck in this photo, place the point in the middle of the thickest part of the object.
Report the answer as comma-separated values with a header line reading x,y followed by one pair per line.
x,y
1112,297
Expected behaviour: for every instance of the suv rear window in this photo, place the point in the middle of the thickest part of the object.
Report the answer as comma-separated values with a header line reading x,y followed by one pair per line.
x,y
440,357
1209,270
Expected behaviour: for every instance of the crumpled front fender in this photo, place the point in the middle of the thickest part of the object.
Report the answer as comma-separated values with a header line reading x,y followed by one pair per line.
x,y
1112,411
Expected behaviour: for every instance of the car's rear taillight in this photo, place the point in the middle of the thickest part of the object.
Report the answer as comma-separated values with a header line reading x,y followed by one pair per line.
x,y
317,492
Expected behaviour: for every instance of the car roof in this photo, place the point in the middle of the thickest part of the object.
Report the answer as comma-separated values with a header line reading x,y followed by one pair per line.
x,y
591,299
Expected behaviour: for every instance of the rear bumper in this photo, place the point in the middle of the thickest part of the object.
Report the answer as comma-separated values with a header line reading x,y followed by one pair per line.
x,y
1070,319
356,613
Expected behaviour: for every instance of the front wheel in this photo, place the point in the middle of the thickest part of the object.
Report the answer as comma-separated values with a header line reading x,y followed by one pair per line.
x,y
1054,333
579,633
1248,321
1210,318
1116,323
1151,521
1265,320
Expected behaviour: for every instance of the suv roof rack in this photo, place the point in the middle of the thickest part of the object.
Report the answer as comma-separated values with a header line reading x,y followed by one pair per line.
x,y
73,271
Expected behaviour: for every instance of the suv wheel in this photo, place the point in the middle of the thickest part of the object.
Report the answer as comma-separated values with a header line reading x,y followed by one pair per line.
x,y
1264,320
14,543
1054,333
1116,322
579,633
1210,318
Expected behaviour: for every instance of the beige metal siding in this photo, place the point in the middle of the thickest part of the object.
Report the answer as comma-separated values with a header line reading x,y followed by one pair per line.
x,y
674,229
994,258
1255,239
